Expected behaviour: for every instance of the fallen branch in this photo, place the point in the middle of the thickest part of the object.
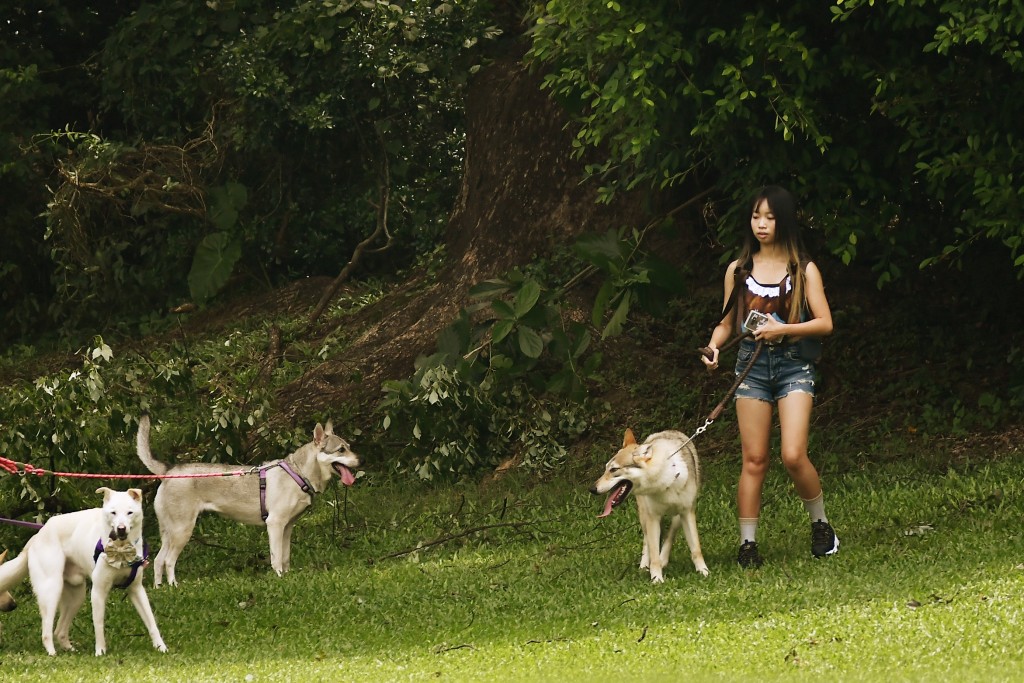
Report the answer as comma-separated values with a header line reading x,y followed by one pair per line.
x,y
452,537
441,649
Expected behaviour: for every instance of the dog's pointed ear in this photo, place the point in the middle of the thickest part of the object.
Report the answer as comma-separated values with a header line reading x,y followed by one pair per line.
x,y
643,454
628,439
329,428
318,434
3,557
136,494
105,491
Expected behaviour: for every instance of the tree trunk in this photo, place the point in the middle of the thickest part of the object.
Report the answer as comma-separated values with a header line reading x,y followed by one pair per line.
x,y
520,197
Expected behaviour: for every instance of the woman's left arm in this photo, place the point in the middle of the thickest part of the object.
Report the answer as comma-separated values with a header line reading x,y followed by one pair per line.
x,y
819,323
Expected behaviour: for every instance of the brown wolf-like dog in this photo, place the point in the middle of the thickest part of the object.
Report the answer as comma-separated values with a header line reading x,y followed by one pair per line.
x,y
664,474
179,501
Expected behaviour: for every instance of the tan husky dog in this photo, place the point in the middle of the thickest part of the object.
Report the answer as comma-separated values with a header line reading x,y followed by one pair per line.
x,y
664,475
275,494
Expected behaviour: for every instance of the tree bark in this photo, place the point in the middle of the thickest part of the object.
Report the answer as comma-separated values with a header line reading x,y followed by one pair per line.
x,y
520,197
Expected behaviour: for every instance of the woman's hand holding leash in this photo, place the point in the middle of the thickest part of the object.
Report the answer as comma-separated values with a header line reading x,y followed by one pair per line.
x,y
709,355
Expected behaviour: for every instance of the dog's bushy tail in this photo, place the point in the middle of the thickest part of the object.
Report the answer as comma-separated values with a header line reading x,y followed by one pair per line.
x,y
13,572
142,448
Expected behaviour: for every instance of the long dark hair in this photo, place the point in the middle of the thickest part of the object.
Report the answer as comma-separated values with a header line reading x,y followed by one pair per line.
x,y
787,233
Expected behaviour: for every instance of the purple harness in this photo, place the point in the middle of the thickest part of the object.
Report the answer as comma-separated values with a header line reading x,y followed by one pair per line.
x,y
134,565
141,562
306,487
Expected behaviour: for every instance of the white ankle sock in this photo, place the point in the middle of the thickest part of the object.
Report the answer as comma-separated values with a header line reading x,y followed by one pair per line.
x,y
748,529
816,508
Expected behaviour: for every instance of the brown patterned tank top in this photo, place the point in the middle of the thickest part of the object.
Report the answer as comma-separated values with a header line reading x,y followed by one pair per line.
x,y
773,300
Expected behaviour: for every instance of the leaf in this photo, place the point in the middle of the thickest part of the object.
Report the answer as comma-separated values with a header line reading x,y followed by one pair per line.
x,y
530,342
500,362
601,250
615,325
225,203
604,295
501,329
581,344
212,265
527,298
489,289
454,339
502,310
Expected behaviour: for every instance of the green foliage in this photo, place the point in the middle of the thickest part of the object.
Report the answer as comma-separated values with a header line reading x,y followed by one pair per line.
x,y
45,85
277,126
451,424
633,277
311,102
508,380
121,226
204,397
77,420
888,118
215,258
516,354
519,332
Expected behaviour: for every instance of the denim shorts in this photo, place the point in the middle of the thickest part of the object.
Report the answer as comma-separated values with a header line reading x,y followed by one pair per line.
x,y
778,371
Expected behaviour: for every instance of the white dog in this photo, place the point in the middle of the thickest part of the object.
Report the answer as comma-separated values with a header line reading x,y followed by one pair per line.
x,y
102,544
7,602
664,475
275,494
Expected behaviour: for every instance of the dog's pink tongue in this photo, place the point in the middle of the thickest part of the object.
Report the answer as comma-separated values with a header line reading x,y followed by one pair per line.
x,y
608,505
347,478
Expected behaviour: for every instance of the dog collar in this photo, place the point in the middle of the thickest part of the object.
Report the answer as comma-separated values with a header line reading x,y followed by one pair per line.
x,y
302,482
135,565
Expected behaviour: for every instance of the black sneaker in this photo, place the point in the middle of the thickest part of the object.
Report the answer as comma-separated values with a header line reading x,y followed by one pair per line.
x,y
823,539
748,557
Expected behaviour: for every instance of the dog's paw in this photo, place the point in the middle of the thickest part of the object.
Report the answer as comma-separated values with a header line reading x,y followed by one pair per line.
x,y
703,571
656,577
160,646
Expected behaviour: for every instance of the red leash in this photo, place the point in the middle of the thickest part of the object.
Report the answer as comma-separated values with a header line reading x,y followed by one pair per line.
x,y
14,467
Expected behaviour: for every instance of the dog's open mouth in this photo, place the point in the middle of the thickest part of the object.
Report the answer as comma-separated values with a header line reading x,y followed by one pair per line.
x,y
347,478
616,496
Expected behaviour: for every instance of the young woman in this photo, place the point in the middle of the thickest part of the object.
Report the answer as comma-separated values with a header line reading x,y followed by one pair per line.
x,y
773,276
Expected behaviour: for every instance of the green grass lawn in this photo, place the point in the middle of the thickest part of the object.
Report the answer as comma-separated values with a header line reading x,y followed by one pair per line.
x,y
527,584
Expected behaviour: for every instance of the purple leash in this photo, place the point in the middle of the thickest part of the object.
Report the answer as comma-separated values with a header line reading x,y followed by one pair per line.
x,y
18,522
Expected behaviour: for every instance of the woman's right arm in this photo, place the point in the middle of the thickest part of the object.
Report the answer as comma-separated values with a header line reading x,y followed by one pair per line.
x,y
723,330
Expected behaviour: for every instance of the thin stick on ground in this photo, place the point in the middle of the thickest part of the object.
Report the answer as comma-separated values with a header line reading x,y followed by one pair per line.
x,y
468,532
